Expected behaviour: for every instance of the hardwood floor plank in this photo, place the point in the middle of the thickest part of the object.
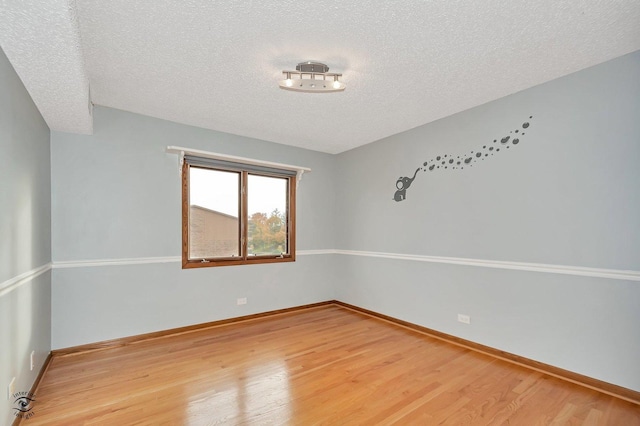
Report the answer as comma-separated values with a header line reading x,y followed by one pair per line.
x,y
593,418
326,365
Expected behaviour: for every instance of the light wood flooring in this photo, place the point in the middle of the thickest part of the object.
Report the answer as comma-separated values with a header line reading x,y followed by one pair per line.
x,y
326,365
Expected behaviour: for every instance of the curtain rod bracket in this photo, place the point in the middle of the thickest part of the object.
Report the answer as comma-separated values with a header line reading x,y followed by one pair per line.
x,y
181,163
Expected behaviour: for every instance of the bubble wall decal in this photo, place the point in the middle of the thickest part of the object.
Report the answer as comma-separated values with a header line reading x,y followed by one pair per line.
x,y
403,183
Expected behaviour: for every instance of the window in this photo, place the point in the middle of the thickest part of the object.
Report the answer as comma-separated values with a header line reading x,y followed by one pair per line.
x,y
236,214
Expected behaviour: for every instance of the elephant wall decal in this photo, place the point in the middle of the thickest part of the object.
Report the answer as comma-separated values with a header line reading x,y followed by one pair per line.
x,y
468,159
402,184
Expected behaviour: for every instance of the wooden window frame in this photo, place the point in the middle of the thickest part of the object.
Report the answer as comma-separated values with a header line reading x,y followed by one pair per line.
x,y
244,258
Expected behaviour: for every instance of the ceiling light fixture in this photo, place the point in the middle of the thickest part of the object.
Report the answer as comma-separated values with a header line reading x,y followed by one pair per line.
x,y
312,77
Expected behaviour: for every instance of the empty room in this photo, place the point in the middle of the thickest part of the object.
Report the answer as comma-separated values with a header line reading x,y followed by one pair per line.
x,y
270,213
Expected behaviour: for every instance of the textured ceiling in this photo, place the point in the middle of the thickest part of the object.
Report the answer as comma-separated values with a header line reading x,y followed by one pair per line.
x,y
41,40
216,64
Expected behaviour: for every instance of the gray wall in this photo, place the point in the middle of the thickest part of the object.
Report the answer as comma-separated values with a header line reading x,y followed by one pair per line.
x,y
567,194
116,195
25,237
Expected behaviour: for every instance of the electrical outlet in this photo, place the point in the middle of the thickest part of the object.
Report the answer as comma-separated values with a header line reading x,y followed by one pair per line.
x,y
242,301
11,389
465,319
31,359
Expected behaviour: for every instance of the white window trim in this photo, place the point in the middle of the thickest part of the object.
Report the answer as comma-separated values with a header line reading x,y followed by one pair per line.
x,y
182,151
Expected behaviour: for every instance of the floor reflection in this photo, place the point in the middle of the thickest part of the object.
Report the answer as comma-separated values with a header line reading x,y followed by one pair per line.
x,y
239,393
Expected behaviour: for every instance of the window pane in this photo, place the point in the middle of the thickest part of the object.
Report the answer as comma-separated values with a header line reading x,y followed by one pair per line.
x,y
214,210
267,208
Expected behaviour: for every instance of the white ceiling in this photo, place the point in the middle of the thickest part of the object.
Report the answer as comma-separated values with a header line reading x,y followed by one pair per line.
x,y
216,64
